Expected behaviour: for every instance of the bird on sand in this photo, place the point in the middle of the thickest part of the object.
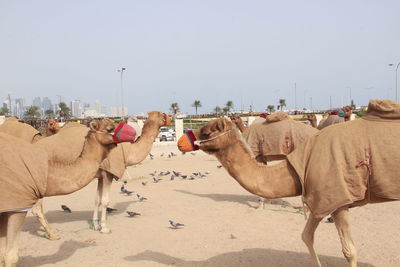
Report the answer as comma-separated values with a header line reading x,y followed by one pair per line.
x,y
141,198
65,208
132,213
110,209
175,225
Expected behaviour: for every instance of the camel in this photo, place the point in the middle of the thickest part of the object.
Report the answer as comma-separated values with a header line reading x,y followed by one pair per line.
x,y
29,134
334,170
274,138
126,154
48,167
330,118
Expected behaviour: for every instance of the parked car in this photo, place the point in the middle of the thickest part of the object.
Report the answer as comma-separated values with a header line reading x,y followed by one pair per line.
x,y
166,134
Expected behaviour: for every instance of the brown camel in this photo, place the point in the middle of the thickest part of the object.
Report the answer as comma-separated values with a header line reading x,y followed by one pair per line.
x,y
57,165
114,166
330,118
334,170
274,138
29,134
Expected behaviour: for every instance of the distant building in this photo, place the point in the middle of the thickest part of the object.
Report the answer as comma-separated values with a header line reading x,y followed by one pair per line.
x,y
46,104
76,109
97,106
20,107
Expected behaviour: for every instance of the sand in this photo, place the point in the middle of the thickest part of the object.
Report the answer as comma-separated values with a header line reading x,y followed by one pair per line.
x,y
222,225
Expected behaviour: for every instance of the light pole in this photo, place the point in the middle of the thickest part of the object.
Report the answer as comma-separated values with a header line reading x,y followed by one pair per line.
x,y
121,70
397,67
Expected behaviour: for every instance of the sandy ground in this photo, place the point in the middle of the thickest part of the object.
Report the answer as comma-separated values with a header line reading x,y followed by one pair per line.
x,y
222,225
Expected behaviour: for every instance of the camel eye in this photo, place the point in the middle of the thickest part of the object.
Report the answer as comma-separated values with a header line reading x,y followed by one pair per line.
x,y
204,135
110,130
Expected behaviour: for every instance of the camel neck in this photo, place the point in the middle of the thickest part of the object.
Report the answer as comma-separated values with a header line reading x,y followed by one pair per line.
x,y
65,178
274,181
141,148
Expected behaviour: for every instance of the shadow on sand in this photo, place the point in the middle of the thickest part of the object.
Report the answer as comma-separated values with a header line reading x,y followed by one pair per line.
x,y
66,250
32,225
247,257
247,200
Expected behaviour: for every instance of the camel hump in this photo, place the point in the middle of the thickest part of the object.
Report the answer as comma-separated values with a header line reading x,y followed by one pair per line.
x,y
383,110
277,116
19,129
67,145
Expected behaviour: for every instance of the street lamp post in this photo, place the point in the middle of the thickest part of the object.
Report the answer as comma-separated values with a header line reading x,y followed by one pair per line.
x,y
121,70
397,67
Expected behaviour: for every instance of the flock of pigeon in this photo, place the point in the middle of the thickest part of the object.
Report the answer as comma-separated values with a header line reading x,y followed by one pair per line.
x,y
156,177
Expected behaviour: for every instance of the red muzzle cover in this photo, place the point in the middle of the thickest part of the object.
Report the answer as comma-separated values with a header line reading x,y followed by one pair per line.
x,y
124,133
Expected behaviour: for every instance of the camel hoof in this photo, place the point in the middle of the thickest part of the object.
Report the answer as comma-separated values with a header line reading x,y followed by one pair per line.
x,y
105,231
53,236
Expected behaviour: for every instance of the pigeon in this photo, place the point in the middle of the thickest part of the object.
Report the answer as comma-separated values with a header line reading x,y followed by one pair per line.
x,y
165,173
153,173
172,177
173,154
191,177
184,176
110,209
122,189
141,198
156,180
151,156
175,225
128,192
144,183
183,153
176,173
65,208
207,172
169,156
125,182
162,155
193,153
219,166
330,220
132,213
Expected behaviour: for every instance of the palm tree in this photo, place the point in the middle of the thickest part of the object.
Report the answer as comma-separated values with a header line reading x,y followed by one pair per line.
x,y
64,110
4,111
271,108
49,113
174,108
217,109
226,110
196,104
282,103
228,106
32,112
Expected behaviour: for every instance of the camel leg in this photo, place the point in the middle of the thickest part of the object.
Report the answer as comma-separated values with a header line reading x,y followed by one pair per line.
x,y
3,234
14,226
105,200
37,210
308,237
99,192
341,218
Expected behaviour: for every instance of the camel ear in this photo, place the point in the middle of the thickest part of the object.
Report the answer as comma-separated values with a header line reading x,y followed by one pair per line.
x,y
221,125
94,125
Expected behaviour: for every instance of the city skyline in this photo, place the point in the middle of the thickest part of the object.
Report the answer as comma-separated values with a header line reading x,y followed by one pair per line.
x,y
252,53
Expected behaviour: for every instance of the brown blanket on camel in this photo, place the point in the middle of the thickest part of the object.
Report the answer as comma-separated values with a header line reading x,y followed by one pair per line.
x,y
277,136
352,163
23,173
115,163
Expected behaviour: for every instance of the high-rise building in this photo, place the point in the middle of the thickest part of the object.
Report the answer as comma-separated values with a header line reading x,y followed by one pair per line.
x,y
76,109
20,107
97,106
46,104
37,101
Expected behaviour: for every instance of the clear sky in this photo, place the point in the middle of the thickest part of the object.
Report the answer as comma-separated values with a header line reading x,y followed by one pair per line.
x,y
247,51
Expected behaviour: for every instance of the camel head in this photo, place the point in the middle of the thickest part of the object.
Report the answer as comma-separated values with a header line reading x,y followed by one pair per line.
x,y
52,126
215,135
161,119
237,120
310,117
103,131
